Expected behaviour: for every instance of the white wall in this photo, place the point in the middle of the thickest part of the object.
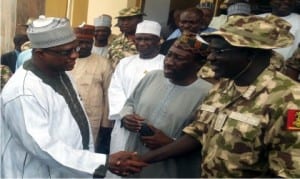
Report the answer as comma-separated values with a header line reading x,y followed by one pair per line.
x,y
157,10
110,7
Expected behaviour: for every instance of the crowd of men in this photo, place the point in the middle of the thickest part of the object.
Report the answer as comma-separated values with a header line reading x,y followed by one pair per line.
x,y
219,97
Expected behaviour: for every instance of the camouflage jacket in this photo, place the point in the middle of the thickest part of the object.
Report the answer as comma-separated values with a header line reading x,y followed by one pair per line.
x,y
121,47
243,132
294,61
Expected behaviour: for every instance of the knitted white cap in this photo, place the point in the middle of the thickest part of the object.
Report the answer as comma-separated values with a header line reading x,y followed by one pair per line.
x,y
46,32
148,27
103,21
239,8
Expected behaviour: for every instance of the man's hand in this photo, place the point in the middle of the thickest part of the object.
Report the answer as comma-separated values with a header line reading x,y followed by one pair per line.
x,y
124,163
158,140
132,122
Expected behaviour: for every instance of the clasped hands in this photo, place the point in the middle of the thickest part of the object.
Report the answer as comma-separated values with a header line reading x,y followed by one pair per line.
x,y
125,163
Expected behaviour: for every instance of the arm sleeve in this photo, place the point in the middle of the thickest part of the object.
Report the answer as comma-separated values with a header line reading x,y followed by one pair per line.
x,y
30,126
116,95
283,144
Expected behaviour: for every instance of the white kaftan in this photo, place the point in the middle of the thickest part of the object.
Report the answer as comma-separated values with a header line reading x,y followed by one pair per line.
x,y
39,135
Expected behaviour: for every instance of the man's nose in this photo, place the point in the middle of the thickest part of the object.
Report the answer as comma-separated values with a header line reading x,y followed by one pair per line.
x,y
74,54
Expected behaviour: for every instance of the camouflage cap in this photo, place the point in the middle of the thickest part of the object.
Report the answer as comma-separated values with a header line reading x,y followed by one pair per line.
x,y
131,11
255,32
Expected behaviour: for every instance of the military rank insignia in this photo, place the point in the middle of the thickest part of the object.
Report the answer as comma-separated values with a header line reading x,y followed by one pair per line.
x,y
293,120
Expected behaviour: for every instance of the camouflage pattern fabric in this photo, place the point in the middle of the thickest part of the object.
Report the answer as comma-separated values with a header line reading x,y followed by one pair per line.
x,y
255,32
206,71
277,62
121,47
294,61
5,75
243,131
131,11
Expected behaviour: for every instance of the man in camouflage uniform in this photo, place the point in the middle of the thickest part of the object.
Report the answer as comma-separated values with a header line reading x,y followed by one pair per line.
x,y
123,45
242,123
293,66
276,61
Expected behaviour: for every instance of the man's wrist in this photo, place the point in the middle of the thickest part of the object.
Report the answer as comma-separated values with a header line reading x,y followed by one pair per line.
x,y
100,172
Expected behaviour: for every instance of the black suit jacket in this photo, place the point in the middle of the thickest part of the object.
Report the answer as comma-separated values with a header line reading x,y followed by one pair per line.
x,y
9,59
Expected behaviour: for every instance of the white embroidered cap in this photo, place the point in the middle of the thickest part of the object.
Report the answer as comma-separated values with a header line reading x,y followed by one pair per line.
x,y
239,8
148,27
103,20
46,32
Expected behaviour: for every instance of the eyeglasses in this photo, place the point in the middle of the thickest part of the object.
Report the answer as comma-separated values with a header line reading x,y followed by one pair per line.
x,y
220,51
65,53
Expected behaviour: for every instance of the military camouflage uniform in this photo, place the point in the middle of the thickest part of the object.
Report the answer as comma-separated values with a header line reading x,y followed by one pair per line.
x,y
5,75
294,62
121,47
243,133
243,129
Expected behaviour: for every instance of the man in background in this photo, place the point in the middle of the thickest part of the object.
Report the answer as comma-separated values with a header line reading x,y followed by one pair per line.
x,y
207,8
284,9
9,59
102,33
123,45
293,66
92,73
189,20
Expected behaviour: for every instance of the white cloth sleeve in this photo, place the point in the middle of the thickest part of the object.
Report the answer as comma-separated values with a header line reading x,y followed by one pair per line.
x,y
116,95
30,125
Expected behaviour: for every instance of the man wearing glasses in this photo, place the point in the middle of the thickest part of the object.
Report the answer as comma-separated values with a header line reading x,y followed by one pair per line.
x,y
50,136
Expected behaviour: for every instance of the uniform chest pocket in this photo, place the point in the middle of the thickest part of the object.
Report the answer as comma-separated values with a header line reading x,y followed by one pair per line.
x,y
238,143
242,126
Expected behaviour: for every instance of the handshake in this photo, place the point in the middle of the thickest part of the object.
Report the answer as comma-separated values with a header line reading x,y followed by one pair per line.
x,y
125,163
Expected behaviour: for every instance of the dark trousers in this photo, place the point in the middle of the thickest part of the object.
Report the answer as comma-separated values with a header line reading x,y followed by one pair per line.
x,y
102,143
